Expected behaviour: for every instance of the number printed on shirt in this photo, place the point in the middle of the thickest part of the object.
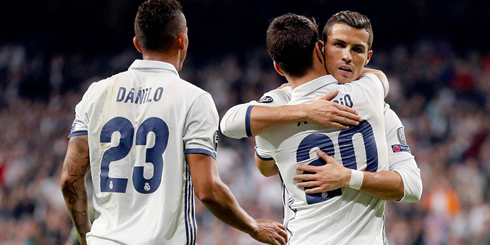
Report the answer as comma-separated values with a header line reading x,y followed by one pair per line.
x,y
153,155
347,153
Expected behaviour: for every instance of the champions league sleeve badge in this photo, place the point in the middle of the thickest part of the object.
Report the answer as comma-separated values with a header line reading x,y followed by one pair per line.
x,y
266,99
403,146
401,136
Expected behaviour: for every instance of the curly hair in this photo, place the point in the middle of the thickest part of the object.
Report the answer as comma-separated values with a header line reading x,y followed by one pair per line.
x,y
157,24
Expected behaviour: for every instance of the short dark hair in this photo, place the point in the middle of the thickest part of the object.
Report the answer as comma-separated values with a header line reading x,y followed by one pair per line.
x,y
291,40
352,19
157,24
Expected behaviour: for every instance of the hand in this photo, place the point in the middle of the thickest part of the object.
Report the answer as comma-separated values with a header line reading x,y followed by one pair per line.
x,y
270,232
331,114
330,176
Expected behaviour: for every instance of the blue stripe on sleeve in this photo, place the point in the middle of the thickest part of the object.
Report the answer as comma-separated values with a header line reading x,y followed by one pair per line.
x,y
78,133
382,84
247,121
200,151
264,158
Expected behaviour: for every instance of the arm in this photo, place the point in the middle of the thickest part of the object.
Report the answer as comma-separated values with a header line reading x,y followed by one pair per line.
x,y
217,197
266,167
381,77
386,185
75,168
254,119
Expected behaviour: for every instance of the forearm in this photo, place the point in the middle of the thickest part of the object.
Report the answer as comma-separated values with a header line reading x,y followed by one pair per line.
x,y
75,168
385,185
222,204
76,202
264,119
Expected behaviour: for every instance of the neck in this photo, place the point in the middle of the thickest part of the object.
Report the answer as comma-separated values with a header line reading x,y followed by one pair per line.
x,y
312,74
171,58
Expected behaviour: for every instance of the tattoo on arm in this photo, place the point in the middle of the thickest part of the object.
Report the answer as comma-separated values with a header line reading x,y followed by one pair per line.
x,y
75,167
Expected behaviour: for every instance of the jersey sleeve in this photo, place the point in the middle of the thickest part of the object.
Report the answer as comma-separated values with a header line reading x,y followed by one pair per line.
x,y
236,121
263,149
80,124
373,85
201,127
400,158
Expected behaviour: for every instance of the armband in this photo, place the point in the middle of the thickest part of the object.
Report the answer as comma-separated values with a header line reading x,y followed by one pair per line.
x,y
356,179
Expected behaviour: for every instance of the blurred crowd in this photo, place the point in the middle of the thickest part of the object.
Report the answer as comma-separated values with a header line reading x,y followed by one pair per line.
x,y
441,97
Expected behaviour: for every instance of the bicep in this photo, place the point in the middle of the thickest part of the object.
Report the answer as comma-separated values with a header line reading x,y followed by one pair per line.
x,y
204,172
266,167
77,163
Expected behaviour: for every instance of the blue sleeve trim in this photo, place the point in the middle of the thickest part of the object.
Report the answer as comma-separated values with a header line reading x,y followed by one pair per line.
x,y
264,158
247,121
78,133
382,84
200,151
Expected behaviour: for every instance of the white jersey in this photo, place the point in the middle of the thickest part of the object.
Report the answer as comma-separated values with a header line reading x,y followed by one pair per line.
x,y
343,216
236,124
140,124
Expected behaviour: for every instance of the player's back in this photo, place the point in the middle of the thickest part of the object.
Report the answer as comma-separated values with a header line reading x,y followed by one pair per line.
x,y
342,216
138,130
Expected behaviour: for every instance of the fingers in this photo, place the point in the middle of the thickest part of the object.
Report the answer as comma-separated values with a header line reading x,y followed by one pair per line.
x,y
281,231
308,184
348,112
338,125
314,190
305,177
283,234
346,121
307,168
330,95
324,156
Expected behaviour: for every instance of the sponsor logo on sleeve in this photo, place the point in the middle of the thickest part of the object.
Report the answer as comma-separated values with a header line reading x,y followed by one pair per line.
x,y
400,148
266,99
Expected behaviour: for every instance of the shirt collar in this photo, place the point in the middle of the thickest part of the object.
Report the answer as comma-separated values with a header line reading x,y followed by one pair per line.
x,y
311,86
153,65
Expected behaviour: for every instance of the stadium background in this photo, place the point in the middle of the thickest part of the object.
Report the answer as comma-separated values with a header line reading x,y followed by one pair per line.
x,y
435,53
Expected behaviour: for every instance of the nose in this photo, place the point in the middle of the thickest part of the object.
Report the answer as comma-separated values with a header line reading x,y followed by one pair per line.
x,y
346,55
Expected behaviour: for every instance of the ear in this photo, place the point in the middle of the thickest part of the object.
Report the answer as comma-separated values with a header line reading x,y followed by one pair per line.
x,y
370,54
278,69
137,45
182,41
319,51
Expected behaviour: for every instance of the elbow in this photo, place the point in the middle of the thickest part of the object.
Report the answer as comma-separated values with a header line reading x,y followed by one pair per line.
x,y
66,182
267,173
209,192
414,194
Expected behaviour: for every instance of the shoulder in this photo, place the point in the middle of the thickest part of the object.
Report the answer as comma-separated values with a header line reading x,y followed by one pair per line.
x,y
276,97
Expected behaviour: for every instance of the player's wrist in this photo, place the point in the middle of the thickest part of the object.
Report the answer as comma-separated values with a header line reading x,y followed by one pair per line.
x,y
356,179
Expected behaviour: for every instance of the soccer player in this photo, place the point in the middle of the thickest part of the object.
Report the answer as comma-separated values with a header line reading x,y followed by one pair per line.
x,y
342,215
149,140
401,183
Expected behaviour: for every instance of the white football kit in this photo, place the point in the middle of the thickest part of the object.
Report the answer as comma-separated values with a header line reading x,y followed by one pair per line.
x,y
344,215
236,124
140,124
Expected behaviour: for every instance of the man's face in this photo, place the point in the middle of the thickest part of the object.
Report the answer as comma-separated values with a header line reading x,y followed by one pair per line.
x,y
346,52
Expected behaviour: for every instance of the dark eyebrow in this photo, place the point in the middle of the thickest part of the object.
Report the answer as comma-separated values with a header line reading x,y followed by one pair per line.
x,y
361,45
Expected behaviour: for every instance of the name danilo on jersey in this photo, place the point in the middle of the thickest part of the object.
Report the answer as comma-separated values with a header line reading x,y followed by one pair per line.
x,y
144,95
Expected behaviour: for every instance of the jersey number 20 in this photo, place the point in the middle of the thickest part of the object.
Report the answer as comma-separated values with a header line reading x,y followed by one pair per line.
x,y
346,147
153,155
